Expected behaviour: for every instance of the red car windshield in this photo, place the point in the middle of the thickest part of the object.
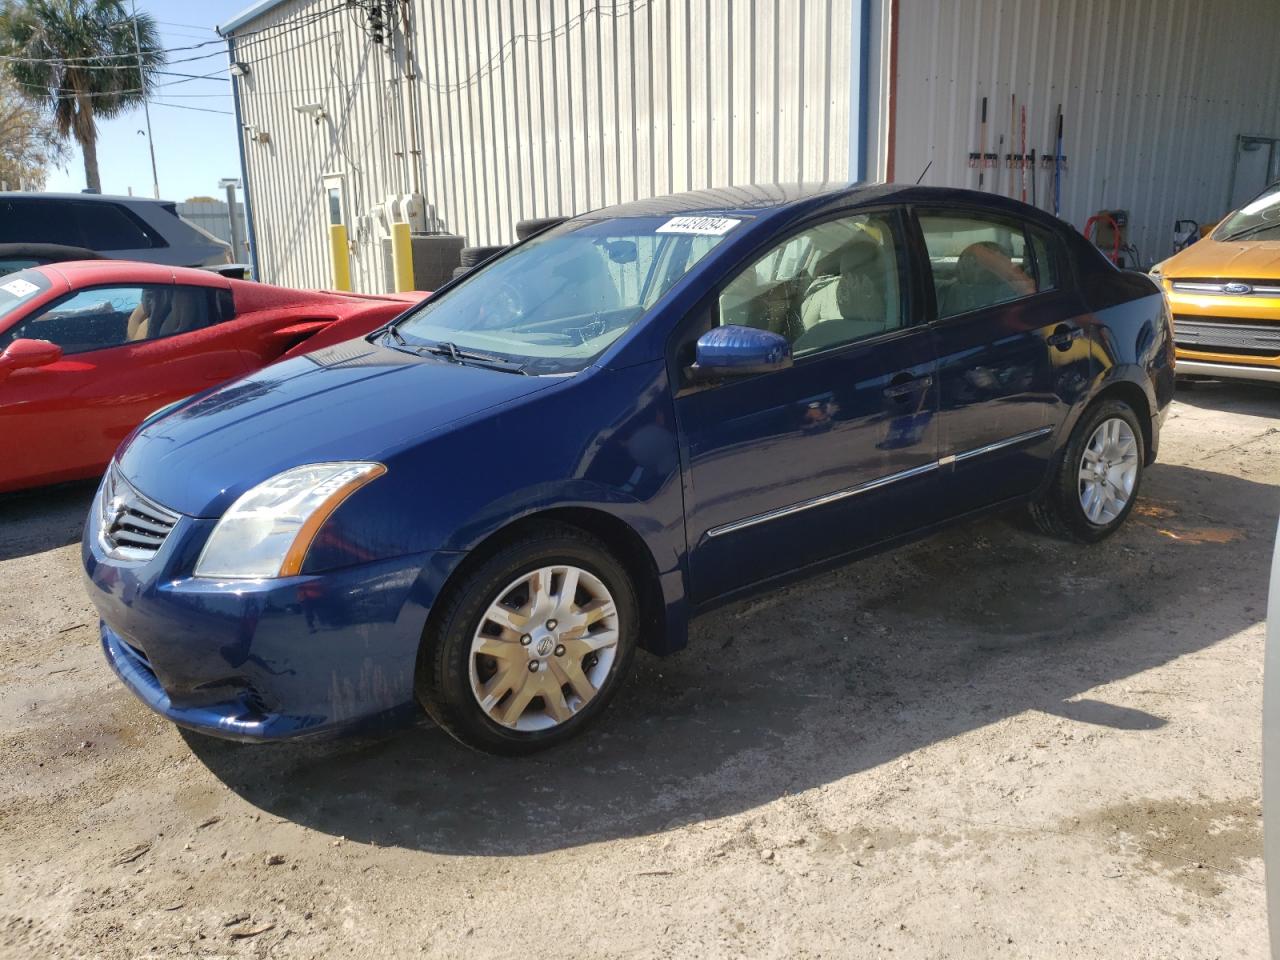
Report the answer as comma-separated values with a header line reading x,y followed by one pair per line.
x,y
17,289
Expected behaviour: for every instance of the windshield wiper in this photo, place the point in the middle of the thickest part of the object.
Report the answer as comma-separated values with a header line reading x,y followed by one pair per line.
x,y
446,348
1250,231
453,352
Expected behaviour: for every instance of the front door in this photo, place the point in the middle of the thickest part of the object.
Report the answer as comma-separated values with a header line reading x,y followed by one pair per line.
x,y
127,350
792,467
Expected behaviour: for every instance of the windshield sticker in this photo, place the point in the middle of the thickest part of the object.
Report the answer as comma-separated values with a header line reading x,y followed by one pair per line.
x,y
699,226
19,287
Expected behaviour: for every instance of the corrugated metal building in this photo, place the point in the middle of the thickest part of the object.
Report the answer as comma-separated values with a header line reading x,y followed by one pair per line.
x,y
1154,95
495,111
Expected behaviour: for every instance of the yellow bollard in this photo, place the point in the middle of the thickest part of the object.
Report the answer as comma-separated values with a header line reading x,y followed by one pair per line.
x,y
339,257
402,256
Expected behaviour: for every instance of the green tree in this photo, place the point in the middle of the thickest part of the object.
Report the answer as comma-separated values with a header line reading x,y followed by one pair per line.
x,y
81,55
29,144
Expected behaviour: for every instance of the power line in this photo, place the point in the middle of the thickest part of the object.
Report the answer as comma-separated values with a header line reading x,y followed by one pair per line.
x,y
183,106
115,93
553,33
92,63
193,26
194,76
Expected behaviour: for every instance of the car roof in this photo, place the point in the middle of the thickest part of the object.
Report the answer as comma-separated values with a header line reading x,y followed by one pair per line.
x,y
764,201
85,273
91,197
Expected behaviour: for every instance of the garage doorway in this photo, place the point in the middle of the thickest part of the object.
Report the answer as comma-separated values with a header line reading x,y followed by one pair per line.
x,y
1255,167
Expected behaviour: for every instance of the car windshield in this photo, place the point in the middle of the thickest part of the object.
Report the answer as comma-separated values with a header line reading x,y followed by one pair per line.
x,y
554,304
1258,218
17,288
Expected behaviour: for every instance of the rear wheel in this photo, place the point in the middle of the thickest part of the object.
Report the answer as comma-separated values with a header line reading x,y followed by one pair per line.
x,y
530,648
1098,478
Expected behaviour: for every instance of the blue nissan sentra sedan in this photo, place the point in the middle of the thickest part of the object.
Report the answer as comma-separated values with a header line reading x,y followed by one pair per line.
x,y
488,505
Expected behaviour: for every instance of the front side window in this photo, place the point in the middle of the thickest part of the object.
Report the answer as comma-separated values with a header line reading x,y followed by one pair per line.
x,y
830,285
24,220
978,261
557,302
111,316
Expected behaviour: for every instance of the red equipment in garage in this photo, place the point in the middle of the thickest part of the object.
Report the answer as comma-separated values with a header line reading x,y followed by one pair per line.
x,y
1107,230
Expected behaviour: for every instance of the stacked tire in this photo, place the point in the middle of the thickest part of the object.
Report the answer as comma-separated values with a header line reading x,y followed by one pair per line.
x,y
472,257
527,228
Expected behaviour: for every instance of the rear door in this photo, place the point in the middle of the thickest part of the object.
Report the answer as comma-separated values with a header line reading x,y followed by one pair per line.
x,y
1009,330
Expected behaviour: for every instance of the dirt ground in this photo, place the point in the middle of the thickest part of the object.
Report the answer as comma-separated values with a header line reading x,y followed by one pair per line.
x,y
988,744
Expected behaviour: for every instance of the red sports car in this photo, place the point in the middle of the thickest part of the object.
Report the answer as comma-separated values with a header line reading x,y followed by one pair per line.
x,y
90,348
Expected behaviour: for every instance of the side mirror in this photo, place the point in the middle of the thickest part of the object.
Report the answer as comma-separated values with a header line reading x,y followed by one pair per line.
x,y
738,351
28,353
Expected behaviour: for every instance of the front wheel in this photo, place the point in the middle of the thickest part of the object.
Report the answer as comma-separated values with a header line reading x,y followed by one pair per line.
x,y
1098,478
530,648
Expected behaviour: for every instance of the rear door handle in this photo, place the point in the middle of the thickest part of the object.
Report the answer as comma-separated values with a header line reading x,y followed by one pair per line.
x,y
901,388
1063,335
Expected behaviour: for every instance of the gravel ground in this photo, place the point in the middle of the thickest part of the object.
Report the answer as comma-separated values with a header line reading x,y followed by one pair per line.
x,y
987,744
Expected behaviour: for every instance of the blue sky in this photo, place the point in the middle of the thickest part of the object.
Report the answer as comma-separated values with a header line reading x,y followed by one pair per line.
x,y
194,148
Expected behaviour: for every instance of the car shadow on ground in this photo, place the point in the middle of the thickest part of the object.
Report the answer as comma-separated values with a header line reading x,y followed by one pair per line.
x,y
39,520
816,682
1231,396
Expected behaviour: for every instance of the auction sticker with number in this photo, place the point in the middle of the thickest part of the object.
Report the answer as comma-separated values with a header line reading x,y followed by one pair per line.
x,y
19,287
699,226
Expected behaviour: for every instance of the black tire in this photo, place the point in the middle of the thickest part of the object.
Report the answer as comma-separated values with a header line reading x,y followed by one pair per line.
x,y
527,228
443,680
473,256
1058,510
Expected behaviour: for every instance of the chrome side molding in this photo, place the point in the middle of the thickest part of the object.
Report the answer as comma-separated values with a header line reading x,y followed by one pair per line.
x,y
877,483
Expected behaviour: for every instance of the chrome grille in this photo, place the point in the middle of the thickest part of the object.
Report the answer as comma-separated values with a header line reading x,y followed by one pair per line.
x,y
133,526
1213,333
1238,288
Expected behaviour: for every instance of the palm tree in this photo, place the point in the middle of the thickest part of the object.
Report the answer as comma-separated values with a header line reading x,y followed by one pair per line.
x,y
81,54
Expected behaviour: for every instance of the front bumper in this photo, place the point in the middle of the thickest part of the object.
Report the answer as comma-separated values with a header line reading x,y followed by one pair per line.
x,y
1227,337
1228,371
264,659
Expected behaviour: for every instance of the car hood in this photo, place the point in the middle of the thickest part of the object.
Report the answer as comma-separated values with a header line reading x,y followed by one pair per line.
x,y
1245,260
351,401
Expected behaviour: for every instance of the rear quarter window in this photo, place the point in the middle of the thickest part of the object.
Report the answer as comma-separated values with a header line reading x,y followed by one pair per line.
x,y
109,226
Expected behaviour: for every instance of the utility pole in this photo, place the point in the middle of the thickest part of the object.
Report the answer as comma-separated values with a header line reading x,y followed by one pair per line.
x,y
146,107
231,184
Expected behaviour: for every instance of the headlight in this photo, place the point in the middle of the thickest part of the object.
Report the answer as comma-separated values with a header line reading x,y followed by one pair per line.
x,y
268,531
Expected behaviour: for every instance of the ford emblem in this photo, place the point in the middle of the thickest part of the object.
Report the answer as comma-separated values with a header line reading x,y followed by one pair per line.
x,y
1237,289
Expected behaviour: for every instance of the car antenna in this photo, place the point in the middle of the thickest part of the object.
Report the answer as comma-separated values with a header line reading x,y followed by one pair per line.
x,y
923,172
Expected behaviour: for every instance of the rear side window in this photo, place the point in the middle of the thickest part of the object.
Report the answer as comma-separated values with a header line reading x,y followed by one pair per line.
x,y
1045,250
108,226
978,261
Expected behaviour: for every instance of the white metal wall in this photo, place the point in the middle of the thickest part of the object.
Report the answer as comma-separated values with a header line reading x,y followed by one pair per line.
x,y
313,52
1153,93
530,108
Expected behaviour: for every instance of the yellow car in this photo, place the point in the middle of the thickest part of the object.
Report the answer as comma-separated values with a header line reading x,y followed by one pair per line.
x,y
1224,291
